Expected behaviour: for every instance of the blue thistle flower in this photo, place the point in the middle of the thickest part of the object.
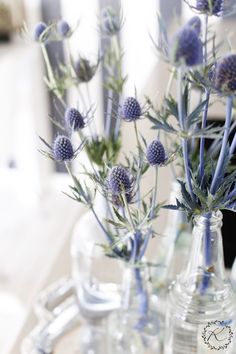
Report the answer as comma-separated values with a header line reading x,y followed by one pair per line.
x,y
186,48
224,75
212,7
119,180
155,153
195,24
63,28
62,148
110,22
131,109
74,119
84,70
39,29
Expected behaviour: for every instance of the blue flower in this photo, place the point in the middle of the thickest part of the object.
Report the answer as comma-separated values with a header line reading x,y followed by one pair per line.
x,y
155,154
39,32
74,119
131,109
224,75
195,24
212,7
186,48
62,149
119,181
63,28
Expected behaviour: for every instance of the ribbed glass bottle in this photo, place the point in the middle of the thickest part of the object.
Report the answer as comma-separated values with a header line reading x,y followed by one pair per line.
x,y
201,310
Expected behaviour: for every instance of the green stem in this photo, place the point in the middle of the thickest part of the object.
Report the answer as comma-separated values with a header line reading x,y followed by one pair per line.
x,y
137,138
128,211
154,196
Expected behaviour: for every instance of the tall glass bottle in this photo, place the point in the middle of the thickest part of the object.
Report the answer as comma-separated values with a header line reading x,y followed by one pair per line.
x,y
200,316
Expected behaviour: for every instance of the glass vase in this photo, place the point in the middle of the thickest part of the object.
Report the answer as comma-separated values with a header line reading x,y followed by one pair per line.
x,y
97,280
200,316
135,327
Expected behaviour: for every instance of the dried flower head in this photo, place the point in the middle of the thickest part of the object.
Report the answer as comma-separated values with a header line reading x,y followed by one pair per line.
x,y
155,154
84,70
62,148
74,119
110,22
40,34
131,109
63,28
195,24
119,181
224,75
186,48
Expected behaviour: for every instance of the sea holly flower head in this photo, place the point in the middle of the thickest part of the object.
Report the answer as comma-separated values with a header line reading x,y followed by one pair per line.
x,y
223,76
155,153
195,24
131,109
186,48
62,148
119,181
110,22
74,119
40,32
84,69
63,28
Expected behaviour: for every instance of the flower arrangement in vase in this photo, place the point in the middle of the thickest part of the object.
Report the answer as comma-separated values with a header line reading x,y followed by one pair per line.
x,y
201,300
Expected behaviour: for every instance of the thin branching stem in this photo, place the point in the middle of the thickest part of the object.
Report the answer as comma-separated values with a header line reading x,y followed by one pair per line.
x,y
184,139
154,195
128,211
220,163
202,139
108,113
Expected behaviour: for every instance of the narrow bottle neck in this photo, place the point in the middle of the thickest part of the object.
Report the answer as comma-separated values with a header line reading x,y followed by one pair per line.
x,y
206,252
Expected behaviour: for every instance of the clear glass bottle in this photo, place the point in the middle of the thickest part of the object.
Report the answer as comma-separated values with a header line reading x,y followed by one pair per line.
x,y
135,328
201,312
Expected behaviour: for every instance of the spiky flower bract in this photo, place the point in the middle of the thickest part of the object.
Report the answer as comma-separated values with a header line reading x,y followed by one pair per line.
x,y
211,7
62,148
63,28
195,24
224,75
74,119
39,30
119,180
155,154
131,109
84,70
186,48
117,201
